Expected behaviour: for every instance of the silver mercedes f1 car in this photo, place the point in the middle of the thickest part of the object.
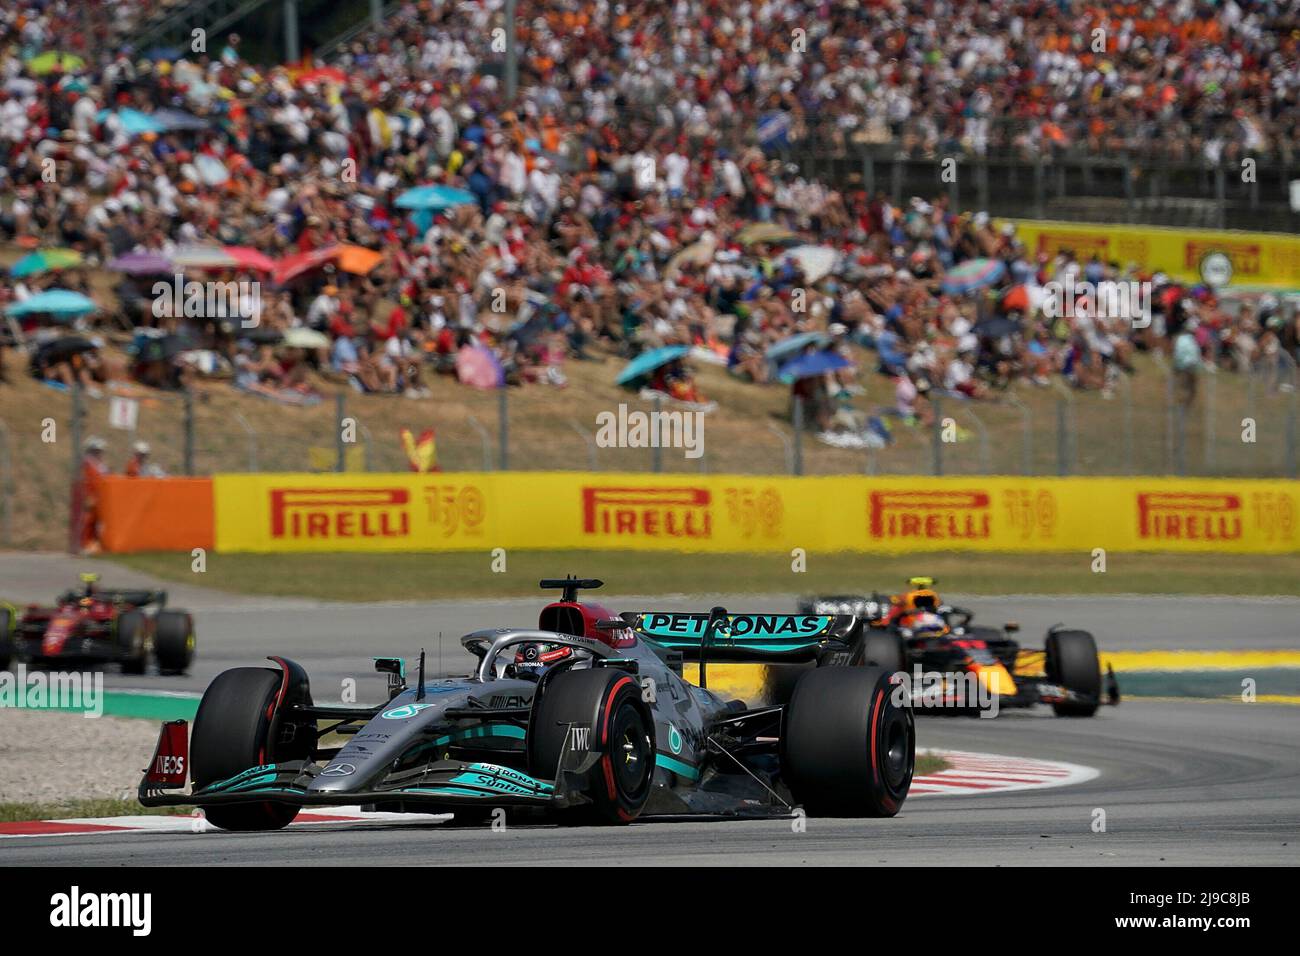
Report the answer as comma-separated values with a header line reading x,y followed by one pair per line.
x,y
586,718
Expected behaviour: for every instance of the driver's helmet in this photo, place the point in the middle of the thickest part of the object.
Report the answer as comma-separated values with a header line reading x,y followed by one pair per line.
x,y
532,659
926,624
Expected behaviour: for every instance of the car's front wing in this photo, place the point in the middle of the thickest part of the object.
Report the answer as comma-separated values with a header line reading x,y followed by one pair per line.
x,y
445,783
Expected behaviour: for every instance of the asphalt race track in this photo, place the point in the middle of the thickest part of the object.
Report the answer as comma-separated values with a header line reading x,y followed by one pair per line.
x,y
1182,782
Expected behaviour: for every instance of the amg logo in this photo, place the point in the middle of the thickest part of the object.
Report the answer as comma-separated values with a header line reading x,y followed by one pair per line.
x,y
509,701
340,513
648,512
945,515
1180,516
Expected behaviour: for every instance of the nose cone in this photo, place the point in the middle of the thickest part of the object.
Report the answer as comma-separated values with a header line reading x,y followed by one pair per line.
x,y
339,776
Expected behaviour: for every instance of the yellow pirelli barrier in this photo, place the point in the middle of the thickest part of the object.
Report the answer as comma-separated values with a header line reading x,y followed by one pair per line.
x,y
1258,258
570,510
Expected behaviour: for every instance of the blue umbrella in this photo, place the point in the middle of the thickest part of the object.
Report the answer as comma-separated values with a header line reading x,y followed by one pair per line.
x,y
178,119
134,123
815,363
647,362
972,275
435,198
61,302
796,344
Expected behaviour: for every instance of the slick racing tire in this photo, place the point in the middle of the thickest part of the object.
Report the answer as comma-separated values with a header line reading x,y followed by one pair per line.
x,y
848,746
621,728
6,637
173,641
132,643
885,649
231,734
1072,662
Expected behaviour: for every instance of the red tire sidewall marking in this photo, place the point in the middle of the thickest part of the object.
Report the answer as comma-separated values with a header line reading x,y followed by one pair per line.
x,y
607,762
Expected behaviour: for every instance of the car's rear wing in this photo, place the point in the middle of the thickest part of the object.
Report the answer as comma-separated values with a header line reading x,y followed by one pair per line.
x,y
741,637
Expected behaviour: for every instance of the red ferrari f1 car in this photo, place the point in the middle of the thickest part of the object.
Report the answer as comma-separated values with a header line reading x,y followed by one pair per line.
x,y
92,624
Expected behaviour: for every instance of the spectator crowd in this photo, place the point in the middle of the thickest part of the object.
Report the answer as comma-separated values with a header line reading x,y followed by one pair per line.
x,y
631,196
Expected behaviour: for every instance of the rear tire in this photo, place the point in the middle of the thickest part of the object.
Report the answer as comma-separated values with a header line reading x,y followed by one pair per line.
x,y
173,641
609,702
132,628
1072,662
883,648
847,747
231,734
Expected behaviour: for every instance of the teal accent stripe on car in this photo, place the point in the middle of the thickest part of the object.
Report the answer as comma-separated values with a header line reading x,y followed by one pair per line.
x,y
453,791
679,767
471,733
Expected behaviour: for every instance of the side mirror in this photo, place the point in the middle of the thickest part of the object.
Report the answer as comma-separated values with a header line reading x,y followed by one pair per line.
x,y
395,668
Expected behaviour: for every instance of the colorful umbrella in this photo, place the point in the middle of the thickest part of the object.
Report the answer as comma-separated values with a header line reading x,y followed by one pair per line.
x,y
477,366
203,257
63,303
817,363
764,232
972,275
815,262
358,259
211,170
142,264
45,260
647,362
250,258
434,198
796,344
290,267
54,60
134,123
173,119
305,338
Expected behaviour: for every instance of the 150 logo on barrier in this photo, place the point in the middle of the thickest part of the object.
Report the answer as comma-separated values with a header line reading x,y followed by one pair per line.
x,y
453,508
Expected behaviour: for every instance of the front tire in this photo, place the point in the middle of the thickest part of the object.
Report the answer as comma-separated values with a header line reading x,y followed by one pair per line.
x,y
1072,662
609,702
231,734
132,630
848,746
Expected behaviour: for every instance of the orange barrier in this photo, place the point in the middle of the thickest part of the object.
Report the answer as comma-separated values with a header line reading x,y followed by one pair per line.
x,y
156,514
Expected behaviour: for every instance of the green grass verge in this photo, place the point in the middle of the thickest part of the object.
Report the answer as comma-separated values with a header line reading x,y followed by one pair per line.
x,y
396,577
83,807
929,763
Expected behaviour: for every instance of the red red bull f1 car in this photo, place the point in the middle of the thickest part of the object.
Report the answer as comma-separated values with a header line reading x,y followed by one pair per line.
x,y
127,627
916,633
